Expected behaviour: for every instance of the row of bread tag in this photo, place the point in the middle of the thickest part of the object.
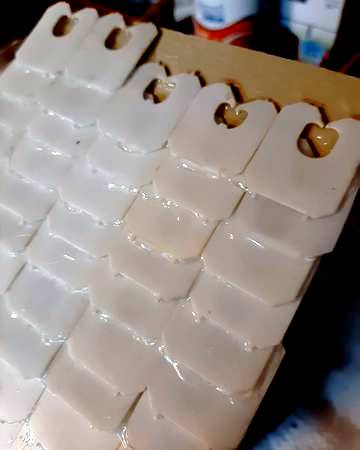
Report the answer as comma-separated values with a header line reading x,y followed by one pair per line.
x,y
40,305
99,171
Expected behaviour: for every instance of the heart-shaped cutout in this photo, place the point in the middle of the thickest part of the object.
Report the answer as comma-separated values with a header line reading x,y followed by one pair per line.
x,y
229,116
158,90
317,142
117,38
64,26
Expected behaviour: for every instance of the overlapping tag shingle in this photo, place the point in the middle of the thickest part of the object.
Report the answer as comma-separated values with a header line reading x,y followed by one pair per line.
x,y
75,431
279,171
215,147
94,72
135,267
44,302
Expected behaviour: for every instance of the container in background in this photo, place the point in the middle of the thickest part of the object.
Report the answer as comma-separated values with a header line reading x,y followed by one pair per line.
x,y
225,20
315,23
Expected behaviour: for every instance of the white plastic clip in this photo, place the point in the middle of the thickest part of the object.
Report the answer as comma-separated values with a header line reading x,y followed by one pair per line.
x,y
139,124
94,72
46,52
199,139
107,68
313,186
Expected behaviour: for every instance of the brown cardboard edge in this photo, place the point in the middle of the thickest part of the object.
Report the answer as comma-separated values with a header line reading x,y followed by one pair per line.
x,y
259,75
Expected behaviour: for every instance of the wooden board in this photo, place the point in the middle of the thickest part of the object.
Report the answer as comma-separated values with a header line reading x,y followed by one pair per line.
x,y
259,75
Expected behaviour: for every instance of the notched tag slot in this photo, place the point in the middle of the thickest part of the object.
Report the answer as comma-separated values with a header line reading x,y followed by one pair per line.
x,y
117,38
231,117
64,26
158,91
317,142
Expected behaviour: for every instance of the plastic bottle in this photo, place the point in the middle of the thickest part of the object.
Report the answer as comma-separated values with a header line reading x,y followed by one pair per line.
x,y
225,20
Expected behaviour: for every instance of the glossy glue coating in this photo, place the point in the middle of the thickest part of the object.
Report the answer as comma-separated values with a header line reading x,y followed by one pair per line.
x,y
167,227
283,228
90,396
18,194
128,169
117,319
15,232
164,278
45,303
148,430
239,314
128,108
214,147
15,115
90,191
49,149
43,55
61,259
279,171
60,136
191,403
23,346
8,139
75,432
206,195
24,84
8,433
10,264
138,340
103,346
212,352
47,52
89,62
36,163
18,395
94,71
72,100
79,230
124,300
259,270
